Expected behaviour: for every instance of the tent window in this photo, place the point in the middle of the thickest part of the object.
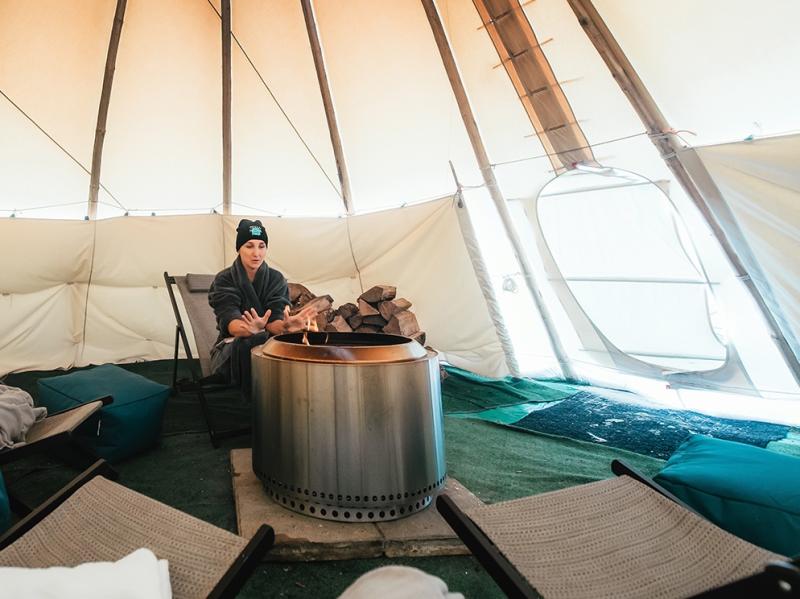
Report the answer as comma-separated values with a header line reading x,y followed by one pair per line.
x,y
625,256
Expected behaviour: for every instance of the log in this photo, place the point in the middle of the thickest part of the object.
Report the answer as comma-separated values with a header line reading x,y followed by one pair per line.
x,y
323,318
338,325
303,299
379,293
323,303
365,328
365,309
355,320
419,336
402,323
347,310
389,307
296,290
375,320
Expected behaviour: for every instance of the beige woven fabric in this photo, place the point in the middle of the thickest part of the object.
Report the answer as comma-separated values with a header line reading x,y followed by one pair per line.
x,y
104,521
60,423
615,538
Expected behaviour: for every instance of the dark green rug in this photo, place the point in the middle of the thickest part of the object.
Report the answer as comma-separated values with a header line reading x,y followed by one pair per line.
x,y
494,462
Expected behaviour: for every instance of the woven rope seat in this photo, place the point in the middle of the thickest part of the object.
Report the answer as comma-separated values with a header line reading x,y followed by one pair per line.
x,y
104,521
615,538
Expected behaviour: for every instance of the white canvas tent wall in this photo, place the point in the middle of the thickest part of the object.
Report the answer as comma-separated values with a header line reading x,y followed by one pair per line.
x,y
91,292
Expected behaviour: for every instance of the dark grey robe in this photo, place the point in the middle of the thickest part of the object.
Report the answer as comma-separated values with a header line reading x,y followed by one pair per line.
x,y
230,295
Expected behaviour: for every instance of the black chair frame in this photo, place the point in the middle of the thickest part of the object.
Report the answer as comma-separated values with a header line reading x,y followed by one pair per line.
x,y
779,580
198,384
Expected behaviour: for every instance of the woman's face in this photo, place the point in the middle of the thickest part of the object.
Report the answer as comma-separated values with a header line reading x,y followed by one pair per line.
x,y
252,254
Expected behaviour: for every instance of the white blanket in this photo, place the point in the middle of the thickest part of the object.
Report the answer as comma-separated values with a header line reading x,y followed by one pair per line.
x,y
139,575
398,582
17,415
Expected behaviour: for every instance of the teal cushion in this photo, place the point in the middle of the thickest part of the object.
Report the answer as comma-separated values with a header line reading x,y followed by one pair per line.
x,y
131,424
5,508
751,492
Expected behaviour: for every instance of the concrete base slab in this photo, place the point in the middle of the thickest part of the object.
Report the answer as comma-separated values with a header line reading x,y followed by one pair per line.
x,y
303,538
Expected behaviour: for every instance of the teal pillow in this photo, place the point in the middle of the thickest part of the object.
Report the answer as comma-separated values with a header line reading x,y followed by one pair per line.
x,y
5,508
751,492
131,424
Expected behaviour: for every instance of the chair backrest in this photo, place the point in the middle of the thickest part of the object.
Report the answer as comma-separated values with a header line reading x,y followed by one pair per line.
x,y
194,293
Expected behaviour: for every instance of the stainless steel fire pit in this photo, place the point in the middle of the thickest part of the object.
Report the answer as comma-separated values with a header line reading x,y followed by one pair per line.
x,y
349,427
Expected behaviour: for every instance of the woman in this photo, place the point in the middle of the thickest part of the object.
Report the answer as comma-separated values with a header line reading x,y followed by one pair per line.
x,y
251,302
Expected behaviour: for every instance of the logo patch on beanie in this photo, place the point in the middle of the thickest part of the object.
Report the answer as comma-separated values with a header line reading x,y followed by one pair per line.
x,y
255,231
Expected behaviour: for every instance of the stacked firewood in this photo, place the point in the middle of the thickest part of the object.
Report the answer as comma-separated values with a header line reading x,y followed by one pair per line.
x,y
376,310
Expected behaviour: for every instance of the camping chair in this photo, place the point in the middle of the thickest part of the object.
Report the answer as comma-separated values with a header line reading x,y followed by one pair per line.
x,y
95,519
623,537
194,293
54,432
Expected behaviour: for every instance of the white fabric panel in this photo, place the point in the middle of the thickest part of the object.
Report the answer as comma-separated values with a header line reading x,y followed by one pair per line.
x,y
400,124
129,317
135,251
601,108
272,170
761,184
719,68
311,249
39,254
420,250
129,324
625,232
40,330
51,65
163,148
652,320
505,128
44,267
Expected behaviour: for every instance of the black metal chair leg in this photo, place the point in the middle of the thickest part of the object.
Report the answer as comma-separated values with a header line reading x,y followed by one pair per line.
x,y
175,362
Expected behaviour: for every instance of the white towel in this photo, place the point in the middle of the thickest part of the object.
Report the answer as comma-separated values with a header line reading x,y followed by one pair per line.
x,y
17,415
398,582
139,575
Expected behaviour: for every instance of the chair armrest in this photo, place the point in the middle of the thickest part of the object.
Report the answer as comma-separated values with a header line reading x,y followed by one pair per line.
x,y
107,400
232,581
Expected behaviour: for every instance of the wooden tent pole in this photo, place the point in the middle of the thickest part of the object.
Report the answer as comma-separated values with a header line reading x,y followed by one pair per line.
x,y
226,106
658,128
491,182
327,101
102,112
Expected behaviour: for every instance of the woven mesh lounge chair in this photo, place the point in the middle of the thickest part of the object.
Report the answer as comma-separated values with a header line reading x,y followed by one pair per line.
x,y
95,519
193,289
53,432
623,538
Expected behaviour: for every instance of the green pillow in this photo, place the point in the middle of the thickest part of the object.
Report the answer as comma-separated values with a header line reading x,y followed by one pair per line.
x,y
751,492
5,508
131,424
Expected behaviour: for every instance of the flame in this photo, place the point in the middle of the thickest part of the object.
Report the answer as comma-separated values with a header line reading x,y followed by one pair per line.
x,y
311,325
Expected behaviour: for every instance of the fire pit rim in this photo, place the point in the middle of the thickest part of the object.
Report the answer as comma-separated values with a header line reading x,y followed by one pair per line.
x,y
401,349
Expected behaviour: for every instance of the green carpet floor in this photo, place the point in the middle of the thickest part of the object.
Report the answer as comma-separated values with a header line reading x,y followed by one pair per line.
x,y
496,463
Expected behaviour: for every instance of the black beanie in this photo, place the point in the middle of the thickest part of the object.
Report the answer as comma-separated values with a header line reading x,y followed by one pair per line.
x,y
250,229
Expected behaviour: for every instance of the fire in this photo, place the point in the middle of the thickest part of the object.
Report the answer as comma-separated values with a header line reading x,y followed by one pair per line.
x,y
311,325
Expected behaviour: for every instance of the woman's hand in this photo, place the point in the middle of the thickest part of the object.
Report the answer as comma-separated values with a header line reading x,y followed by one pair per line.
x,y
304,320
255,323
